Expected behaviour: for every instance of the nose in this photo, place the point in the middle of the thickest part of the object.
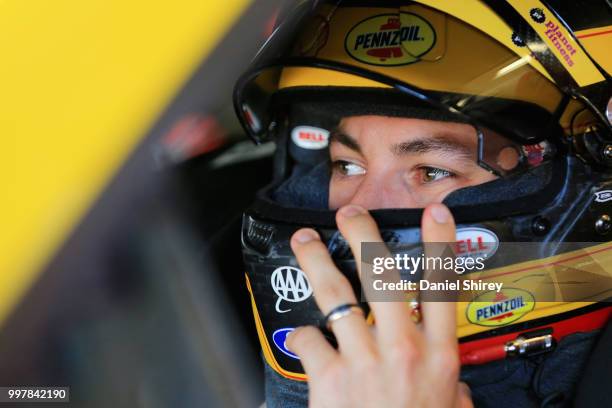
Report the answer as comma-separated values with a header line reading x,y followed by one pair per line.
x,y
384,192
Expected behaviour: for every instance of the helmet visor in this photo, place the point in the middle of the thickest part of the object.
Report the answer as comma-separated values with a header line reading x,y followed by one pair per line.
x,y
411,48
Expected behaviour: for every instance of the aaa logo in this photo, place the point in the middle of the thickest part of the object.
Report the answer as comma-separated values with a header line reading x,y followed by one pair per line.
x,y
290,284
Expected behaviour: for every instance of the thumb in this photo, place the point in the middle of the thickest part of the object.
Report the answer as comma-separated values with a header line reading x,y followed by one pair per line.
x,y
437,224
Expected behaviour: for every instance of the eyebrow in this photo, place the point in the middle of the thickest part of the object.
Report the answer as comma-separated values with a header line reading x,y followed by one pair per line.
x,y
436,143
439,143
339,137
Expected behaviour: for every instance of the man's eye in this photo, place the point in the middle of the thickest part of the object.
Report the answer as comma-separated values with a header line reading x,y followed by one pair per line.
x,y
431,174
347,168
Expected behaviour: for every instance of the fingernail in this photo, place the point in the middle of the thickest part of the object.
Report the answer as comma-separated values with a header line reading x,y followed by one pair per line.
x,y
305,235
352,210
440,213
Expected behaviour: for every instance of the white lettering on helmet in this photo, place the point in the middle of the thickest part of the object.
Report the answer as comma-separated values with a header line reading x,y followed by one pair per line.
x,y
474,241
603,196
310,137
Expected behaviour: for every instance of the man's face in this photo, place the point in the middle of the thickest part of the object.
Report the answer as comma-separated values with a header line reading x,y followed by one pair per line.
x,y
387,162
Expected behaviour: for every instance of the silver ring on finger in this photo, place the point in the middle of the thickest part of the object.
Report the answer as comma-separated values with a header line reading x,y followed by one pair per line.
x,y
341,311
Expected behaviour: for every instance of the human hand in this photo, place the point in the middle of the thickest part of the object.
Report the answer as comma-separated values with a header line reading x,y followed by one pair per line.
x,y
394,364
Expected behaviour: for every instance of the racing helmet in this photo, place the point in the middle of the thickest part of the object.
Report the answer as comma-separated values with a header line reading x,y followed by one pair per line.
x,y
516,72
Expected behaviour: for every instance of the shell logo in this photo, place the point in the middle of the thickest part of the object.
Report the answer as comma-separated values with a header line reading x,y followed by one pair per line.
x,y
500,308
390,39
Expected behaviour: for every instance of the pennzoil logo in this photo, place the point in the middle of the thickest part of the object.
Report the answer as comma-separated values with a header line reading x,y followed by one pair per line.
x,y
390,39
500,308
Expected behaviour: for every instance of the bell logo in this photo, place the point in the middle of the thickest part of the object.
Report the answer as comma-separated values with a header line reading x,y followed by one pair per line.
x,y
390,39
310,137
316,137
476,242
290,284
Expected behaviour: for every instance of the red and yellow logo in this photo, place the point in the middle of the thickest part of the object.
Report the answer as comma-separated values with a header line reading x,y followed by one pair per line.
x,y
500,308
390,39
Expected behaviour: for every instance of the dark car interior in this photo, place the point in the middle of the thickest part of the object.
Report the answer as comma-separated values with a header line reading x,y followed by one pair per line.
x,y
145,303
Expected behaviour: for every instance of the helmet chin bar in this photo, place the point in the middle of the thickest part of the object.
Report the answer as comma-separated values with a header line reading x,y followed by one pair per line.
x,y
537,218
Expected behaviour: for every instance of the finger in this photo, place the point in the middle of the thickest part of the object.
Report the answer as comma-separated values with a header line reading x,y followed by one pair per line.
x,y
357,226
312,348
439,317
331,289
464,396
